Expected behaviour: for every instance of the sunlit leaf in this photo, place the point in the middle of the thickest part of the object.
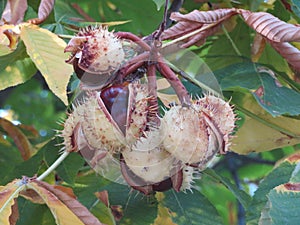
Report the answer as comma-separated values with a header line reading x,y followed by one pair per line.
x,y
47,52
14,11
15,68
164,216
260,130
7,196
4,41
64,208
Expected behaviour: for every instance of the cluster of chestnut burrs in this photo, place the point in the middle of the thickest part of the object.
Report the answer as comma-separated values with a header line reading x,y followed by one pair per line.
x,y
117,125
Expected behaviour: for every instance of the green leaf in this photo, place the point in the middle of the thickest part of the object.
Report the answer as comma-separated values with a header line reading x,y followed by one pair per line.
x,y
47,52
242,196
238,76
190,208
222,53
280,175
42,214
15,68
296,7
296,174
103,213
271,57
69,168
277,99
159,3
145,16
284,206
139,210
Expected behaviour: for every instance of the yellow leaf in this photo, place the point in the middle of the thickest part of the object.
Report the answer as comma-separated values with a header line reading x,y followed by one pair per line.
x,y
7,195
62,214
164,216
264,132
47,52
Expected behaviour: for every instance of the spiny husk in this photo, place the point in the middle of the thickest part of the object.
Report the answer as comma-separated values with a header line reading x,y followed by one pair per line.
x,y
148,160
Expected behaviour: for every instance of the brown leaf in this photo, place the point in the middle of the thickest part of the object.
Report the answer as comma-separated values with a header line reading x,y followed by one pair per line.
x,y
103,197
19,138
8,194
14,11
205,17
292,186
15,213
12,37
29,130
32,196
271,27
289,52
207,21
116,210
44,11
77,208
66,190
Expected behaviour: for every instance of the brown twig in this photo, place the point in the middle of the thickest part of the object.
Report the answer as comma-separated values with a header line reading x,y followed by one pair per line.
x,y
174,81
134,38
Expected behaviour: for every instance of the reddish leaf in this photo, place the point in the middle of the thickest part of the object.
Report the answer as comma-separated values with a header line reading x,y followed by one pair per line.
x,y
271,27
292,186
19,138
14,11
116,210
205,17
77,208
32,196
103,197
44,11
15,213
208,22
66,190
289,52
